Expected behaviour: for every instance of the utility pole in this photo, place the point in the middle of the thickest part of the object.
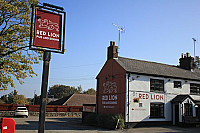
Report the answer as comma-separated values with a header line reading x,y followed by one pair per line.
x,y
34,97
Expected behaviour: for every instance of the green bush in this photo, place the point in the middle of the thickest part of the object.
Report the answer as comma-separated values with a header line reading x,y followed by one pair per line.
x,y
121,123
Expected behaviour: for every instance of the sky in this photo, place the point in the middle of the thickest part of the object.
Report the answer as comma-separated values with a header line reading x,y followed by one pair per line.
x,y
155,30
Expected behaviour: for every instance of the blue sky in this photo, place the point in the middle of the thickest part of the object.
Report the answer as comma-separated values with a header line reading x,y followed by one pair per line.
x,y
156,30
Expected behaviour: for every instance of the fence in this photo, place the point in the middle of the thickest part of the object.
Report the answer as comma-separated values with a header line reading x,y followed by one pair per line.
x,y
36,108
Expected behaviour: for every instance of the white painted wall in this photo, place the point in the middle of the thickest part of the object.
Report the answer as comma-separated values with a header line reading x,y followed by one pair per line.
x,y
139,86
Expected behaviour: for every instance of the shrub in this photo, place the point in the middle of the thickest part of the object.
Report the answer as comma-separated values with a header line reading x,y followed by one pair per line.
x,y
121,122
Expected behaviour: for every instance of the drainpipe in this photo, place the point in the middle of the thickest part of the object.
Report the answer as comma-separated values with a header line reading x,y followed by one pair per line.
x,y
128,95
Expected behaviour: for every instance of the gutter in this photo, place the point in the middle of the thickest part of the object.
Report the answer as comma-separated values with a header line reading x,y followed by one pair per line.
x,y
164,76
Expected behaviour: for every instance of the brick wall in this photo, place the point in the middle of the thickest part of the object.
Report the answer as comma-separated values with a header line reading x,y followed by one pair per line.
x,y
48,114
36,108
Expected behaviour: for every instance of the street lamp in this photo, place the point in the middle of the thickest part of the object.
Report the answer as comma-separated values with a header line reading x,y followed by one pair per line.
x,y
194,47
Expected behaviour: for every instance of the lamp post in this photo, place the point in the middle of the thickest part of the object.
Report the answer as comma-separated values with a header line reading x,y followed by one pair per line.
x,y
194,48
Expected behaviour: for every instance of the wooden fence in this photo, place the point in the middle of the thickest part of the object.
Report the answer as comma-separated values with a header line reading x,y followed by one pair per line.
x,y
36,108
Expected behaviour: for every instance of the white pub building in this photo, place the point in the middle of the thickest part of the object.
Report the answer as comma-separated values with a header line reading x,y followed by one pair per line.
x,y
148,92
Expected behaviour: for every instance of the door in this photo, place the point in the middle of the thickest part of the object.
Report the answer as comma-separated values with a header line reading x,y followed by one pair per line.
x,y
176,114
198,112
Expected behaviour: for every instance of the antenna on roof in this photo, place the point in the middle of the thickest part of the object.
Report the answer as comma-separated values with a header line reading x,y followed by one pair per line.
x,y
120,29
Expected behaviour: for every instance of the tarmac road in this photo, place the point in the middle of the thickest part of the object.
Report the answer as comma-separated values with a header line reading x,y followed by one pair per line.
x,y
74,125
53,125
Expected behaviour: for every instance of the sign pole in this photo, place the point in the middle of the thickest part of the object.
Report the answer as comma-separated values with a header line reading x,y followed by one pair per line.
x,y
43,97
48,26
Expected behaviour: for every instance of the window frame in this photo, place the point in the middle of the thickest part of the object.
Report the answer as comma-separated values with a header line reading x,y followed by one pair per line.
x,y
156,83
177,84
188,109
194,89
157,112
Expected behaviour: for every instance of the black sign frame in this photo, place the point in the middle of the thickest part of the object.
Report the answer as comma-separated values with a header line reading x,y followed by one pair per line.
x,y
32,29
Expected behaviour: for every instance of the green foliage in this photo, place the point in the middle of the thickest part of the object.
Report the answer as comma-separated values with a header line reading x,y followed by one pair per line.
x,y
105,120
90,91
79,89
121,122
4,98
16,59
20,99
60,91
197,62
1,101
11,97
14,98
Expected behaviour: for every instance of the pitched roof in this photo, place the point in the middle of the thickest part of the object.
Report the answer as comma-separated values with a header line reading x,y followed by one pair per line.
x,y
76,100
181,98
157,69
59,101
80,99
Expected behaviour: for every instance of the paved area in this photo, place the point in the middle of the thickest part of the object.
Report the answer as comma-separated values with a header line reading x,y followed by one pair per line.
x,y
53,125
164,129
74,125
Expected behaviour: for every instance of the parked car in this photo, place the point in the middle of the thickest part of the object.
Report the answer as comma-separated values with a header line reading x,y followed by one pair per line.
x,y
21,111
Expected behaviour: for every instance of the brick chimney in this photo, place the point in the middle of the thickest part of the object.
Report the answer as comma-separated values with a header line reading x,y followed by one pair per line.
x,y
187,62
112,51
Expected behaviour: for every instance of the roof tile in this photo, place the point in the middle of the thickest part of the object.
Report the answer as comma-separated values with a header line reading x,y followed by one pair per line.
x,y
157,69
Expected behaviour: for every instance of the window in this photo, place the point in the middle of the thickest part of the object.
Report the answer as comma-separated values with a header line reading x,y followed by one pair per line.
x,y
188,109
195,89
140,104
177,84
156,110
156,85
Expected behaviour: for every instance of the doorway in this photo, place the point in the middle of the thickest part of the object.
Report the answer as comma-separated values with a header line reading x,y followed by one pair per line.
x,y
176,114
198,112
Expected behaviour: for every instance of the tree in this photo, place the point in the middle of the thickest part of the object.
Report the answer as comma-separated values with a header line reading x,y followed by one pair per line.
x,y
19,99
16,59
1,101
14,98
60,91
11,97
4,98
79,89
197,62
90,91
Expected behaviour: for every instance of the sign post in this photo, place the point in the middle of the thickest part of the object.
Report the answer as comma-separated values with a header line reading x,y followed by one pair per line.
x,y
43,97
48,36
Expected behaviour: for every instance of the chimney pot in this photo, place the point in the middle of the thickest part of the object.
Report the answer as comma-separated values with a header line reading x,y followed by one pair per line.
x,y
112,43
187,62
112,51
187,54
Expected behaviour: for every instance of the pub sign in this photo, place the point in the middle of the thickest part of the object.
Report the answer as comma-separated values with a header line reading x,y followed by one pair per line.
x,y
48,30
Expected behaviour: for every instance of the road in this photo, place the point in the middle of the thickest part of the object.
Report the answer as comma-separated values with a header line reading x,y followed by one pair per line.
x,y
74,125
53,125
